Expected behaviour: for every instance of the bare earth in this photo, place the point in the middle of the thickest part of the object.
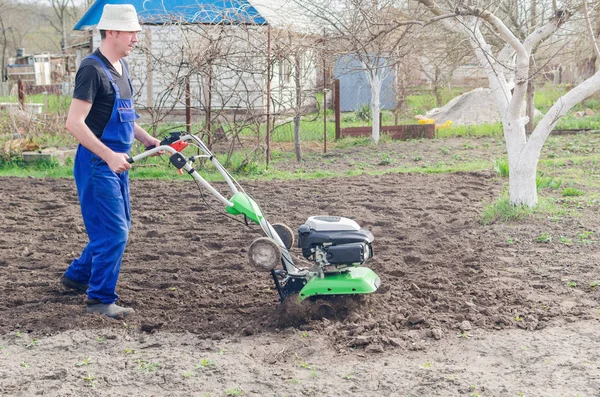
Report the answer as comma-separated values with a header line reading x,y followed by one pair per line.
x,y
464,309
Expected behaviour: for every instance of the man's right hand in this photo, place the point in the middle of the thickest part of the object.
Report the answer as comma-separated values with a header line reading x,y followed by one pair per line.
x,y
118,162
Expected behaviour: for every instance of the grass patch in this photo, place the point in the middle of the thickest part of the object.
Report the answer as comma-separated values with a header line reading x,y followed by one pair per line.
x,y
571,192
503,211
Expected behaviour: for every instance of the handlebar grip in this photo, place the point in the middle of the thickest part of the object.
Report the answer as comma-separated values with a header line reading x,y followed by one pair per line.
x,y
130,160
150,147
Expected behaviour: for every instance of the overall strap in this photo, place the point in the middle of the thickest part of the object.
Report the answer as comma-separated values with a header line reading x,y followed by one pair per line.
x,y
108,73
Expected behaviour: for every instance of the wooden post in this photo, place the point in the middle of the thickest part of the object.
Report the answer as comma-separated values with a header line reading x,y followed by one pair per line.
x,y
188,106
21,89
338,113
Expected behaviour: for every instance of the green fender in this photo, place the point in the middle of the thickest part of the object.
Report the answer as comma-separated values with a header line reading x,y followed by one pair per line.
x,y
356,280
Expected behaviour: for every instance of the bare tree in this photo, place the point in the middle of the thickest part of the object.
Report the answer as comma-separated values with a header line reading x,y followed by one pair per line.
x,y
367,30
478,24
66,12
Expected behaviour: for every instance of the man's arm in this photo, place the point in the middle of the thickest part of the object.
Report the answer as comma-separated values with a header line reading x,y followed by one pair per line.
x,y
76,126
143,136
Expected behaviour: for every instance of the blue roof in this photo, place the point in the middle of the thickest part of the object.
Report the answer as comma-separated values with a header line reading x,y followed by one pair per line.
x,y
158,12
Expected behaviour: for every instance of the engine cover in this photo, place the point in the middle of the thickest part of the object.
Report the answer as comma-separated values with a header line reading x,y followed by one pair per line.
x,y
342,238
347,254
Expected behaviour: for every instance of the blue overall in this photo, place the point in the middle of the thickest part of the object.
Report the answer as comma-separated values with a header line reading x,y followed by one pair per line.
x,y
104,199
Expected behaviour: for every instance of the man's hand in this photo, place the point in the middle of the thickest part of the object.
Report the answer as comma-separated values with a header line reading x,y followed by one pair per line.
x,y
153,142
118,162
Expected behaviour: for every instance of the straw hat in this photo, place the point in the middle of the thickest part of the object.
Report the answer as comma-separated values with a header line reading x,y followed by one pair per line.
x,y
121,17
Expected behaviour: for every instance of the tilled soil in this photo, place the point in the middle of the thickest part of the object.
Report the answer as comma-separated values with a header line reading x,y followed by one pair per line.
x,y
186,265
444,275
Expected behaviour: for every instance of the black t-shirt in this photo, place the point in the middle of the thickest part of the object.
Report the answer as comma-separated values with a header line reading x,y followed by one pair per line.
x,y
92,85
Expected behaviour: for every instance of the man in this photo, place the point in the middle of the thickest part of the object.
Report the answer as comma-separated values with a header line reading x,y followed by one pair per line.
x,y
102,119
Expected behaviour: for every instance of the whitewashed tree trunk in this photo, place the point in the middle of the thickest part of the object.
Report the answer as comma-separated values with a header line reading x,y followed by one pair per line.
x,y
375,75
375,106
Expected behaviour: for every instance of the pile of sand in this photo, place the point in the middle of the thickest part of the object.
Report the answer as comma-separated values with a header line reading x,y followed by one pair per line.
x,y
473,107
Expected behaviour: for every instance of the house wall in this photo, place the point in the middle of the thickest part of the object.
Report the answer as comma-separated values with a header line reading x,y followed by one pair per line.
x,y
167,54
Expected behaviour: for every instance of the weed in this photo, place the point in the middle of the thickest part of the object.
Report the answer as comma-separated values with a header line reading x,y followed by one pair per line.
x,y
90,380
205,363
147,366
33,343
18,334
25,365
349,376
427,365
233,392
101,339
572,192
384,159
571,284
463,335
585,237
510,241
364,112
594,284
444,150
545,237
543,182
566,241
85,361
501,167
187,374
304,365
129,351
417,158
304,334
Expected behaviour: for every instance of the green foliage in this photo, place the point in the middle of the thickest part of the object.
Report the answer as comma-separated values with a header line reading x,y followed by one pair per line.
x,y
545,237
571,192
364,112
503,211
384,159
543,182
501,167
470,130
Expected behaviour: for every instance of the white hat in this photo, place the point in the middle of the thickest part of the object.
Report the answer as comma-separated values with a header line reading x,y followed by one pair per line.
x,y
121,17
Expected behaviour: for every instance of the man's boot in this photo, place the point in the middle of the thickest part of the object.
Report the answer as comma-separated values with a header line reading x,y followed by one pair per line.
x,y
108,309
74,285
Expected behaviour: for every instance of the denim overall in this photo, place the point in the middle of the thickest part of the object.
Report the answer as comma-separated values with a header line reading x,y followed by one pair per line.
x,y
104,199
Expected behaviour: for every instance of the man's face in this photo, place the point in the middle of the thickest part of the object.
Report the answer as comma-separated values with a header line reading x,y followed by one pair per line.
x,y
124,42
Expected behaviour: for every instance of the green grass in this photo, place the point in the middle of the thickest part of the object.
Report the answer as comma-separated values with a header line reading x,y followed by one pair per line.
x,y
55,104
503,211
470,130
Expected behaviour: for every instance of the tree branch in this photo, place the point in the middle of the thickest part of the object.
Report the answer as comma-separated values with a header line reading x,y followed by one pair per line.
x,y
538,35
590,29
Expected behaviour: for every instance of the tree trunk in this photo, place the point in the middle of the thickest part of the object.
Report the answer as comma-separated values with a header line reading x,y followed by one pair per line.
x,y
375,104
530,106
297,82
522,164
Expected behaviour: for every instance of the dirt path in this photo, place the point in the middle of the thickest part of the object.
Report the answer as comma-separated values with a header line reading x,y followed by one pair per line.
x,y
556,361
527,309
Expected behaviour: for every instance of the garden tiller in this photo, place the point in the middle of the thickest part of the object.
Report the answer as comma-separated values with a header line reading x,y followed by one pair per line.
x,y
335,246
